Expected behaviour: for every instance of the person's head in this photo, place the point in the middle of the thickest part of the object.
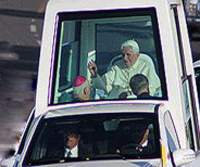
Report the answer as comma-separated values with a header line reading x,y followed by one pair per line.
x,y
139,84
81,88
131,52
71,138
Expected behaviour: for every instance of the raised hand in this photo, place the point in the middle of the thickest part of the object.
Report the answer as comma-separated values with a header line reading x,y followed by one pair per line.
x,y
92,68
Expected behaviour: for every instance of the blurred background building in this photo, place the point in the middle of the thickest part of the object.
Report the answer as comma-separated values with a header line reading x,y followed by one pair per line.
x,y
20,38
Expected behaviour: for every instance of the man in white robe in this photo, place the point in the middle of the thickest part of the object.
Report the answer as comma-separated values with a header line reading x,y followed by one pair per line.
x,y
117,79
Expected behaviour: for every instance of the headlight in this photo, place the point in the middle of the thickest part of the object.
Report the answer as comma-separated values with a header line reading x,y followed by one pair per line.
x,y
192,9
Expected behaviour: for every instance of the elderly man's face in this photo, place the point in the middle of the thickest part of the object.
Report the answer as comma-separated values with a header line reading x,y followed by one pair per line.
x,y
129,56
87,92
72,140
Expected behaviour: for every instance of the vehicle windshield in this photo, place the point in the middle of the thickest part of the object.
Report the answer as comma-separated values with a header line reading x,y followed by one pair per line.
x,y
97,54
94,137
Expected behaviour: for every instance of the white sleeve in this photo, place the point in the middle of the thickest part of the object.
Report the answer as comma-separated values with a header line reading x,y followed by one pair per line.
x,y
98,83
105,82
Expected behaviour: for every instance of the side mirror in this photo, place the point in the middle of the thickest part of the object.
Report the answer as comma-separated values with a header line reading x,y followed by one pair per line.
x,y
183,156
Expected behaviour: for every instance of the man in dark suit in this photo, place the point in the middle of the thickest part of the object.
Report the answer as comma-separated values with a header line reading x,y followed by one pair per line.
x,y
140,86
71,146
71,142
141,141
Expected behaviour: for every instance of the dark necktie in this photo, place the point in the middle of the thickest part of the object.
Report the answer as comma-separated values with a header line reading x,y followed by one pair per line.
x,y
69,154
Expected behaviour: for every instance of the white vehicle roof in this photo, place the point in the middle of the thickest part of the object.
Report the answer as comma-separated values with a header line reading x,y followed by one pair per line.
x,y
102,108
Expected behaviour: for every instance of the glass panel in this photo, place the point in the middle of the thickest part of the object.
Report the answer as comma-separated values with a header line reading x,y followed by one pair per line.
x,y
27,130
67,68
89,44
197,76
172,138
188,114
99,136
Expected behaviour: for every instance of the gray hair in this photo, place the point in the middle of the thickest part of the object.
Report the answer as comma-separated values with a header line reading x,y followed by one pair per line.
x,y
79,90
138,82
131,43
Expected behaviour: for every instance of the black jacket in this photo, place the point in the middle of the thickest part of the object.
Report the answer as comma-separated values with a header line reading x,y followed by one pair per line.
x,y
83,152
144,95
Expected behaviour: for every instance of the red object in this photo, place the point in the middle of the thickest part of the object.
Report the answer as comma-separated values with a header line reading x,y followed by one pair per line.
x,y
78,81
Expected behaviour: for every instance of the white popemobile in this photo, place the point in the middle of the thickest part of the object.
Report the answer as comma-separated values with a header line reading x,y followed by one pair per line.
x,y
160,129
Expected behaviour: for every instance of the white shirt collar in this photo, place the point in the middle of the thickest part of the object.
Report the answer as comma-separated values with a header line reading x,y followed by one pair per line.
x,y
145,143
74,151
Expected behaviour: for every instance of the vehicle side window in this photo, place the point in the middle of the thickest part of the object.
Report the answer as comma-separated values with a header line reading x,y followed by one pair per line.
x,y
197,76
188,114
172,139
24,137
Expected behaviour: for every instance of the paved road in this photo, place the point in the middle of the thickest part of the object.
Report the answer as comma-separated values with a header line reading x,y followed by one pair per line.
x,y
20,36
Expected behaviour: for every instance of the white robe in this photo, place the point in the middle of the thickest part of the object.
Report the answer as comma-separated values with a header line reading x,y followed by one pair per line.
x,y
117,79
